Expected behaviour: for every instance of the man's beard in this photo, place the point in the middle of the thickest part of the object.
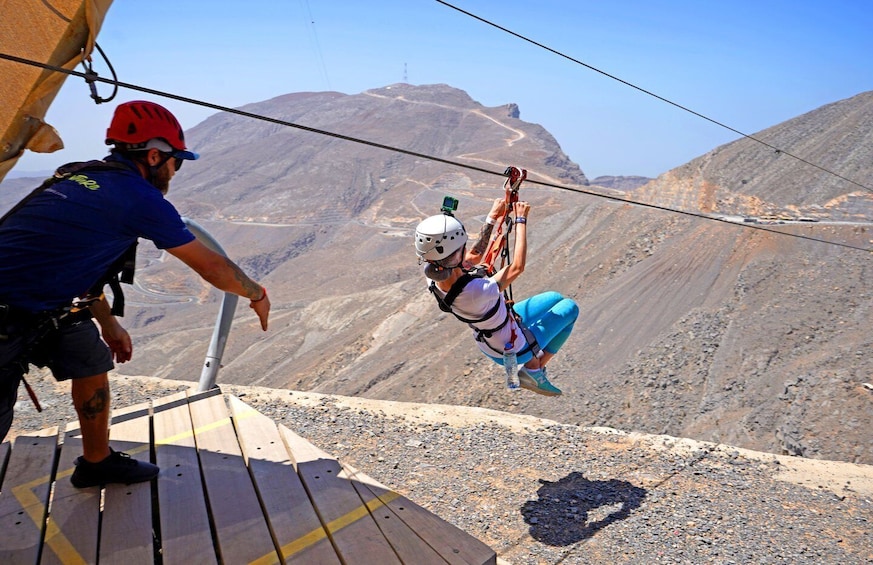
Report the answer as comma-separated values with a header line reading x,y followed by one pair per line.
x,y
161,180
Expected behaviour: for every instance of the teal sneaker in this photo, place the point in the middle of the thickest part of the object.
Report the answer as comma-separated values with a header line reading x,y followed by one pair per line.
x,y
537,382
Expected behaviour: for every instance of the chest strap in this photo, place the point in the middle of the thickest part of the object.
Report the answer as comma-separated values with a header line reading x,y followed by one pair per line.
x,y
445,305
122,269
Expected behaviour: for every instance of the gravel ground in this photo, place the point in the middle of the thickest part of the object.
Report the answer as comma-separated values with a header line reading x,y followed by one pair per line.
x,y
539,492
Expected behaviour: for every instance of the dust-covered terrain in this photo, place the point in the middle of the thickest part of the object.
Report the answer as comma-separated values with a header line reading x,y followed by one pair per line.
x,y
541,492
737,324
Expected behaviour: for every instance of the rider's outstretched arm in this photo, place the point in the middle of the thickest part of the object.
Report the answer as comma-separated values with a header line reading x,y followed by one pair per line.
x,y
475,254
510,272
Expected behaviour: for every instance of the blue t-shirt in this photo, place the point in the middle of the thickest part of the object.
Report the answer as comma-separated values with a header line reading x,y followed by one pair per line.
x,y
63,240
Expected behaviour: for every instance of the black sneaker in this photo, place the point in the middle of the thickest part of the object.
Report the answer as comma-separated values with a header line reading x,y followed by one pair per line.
x,y
117,468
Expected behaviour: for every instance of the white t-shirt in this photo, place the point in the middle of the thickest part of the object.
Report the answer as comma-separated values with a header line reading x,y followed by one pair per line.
x,y
477,298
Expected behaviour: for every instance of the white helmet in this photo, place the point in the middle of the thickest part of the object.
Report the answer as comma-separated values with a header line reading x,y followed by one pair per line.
x,y
438,237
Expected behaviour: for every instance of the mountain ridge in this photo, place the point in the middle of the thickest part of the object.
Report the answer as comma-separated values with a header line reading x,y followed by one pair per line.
x,y
681,323
808,165
689,327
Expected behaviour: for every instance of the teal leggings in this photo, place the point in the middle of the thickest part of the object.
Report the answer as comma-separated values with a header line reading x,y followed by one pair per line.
x,y
550,317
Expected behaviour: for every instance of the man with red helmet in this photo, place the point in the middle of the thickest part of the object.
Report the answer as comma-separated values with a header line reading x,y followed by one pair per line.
x,y
69,238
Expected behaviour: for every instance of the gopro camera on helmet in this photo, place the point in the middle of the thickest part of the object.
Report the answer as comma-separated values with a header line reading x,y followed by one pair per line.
x,y
450,204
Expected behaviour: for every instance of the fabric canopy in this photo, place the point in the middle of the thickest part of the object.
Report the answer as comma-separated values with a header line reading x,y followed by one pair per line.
x,y
55,32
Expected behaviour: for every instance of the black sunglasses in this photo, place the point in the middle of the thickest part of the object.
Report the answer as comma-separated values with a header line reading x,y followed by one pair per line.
x,y
177,161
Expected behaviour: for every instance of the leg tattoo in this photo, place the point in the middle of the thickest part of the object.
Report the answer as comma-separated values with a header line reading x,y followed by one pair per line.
x,y
96,404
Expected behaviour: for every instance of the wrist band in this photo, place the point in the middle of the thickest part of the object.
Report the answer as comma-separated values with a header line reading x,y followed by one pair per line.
x,y
261,298
521,220
490,220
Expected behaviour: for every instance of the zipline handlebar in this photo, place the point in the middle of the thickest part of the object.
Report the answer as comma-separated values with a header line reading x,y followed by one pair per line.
x,y
499,243
513,182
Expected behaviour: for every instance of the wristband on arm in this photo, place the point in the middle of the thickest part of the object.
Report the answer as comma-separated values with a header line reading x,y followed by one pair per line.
x,y
262,297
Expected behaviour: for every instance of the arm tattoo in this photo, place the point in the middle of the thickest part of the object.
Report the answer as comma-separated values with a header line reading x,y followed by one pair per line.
x,y
94,406
250,287
484,238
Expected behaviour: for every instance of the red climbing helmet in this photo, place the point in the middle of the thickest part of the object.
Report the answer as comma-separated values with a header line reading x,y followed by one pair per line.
x,y
136,123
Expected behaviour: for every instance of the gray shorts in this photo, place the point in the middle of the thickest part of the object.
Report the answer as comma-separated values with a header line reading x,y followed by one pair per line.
x,y
72,352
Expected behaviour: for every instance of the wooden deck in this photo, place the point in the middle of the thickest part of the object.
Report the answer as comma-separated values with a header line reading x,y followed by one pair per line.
x,y
233,488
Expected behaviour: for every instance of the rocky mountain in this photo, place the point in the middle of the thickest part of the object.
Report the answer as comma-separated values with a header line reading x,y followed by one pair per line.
x,y
817,164
14,189
691,326
538,491
621,182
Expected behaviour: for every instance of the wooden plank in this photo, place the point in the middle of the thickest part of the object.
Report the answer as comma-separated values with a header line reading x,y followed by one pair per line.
x,y
240,527
184,523
409,546
126,534
25,494
295,526
71,532
355,534
453,544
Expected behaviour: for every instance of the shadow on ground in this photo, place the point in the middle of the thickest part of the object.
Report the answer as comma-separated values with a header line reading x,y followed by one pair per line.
x,y
574,508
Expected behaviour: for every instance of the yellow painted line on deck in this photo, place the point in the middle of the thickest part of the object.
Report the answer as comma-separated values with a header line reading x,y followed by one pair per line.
x,y
333,526
35,508
67,554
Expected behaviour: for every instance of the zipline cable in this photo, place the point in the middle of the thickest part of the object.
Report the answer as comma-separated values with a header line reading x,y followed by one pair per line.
x,y
661,98
696,215
315,42
91,77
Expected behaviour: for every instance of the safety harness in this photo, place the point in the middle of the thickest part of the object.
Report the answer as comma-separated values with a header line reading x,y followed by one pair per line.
x,y
34,328
445,305
498,245
122,269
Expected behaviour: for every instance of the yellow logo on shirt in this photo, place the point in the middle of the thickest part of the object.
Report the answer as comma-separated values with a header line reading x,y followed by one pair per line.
x,y
85,181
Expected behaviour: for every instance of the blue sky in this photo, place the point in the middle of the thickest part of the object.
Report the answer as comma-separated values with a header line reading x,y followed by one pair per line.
x,y
749,64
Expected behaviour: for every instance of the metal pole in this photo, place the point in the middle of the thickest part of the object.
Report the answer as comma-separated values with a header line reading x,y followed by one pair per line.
x,y
222,324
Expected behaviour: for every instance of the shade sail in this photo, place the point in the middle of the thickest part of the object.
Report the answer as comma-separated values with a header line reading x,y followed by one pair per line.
x,y
54,32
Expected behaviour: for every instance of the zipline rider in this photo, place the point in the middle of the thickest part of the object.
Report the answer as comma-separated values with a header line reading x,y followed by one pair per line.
x,y
463,290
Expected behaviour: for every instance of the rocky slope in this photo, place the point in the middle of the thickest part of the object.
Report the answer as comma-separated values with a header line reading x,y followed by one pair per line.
x,y
620,183
690,326
542,492
817,164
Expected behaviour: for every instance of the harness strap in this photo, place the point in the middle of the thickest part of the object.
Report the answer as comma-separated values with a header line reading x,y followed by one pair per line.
x,y
122,269
445,305
482,335
442,304
456,289
532,345
33,328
